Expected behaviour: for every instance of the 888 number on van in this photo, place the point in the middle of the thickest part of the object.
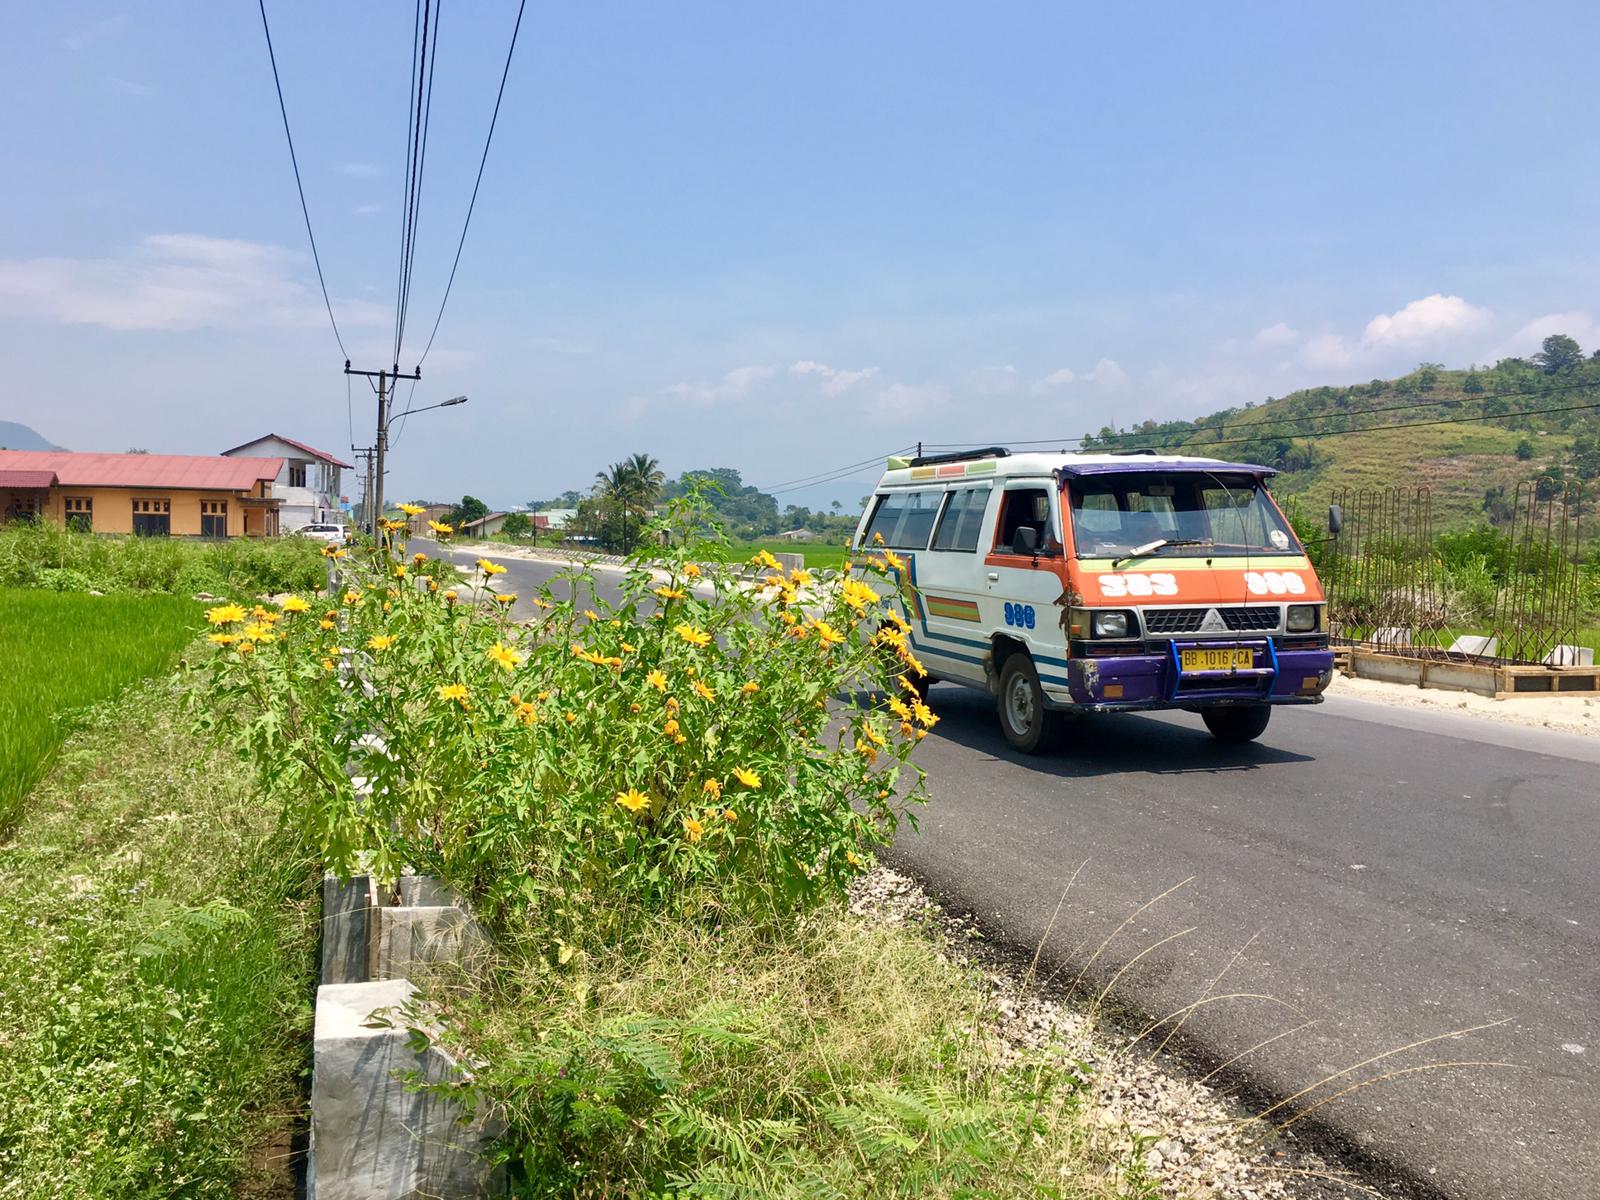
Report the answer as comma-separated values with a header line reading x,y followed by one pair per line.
x,y
1020,616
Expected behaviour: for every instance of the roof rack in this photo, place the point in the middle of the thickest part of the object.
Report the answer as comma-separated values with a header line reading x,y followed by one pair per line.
x,y
928,460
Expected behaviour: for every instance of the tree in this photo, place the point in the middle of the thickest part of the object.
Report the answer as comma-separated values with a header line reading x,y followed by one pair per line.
x,y
1524,450
629,490
1560,353
1472,385
470,509
517,525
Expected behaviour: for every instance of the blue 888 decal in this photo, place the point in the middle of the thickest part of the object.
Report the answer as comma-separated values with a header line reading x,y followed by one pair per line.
x,y
1020,615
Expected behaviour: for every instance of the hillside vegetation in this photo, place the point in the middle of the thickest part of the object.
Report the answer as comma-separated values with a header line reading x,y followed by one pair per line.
x,y
1469,435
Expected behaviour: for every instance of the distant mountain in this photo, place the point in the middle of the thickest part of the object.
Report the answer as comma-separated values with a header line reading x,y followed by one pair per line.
x,y
16,436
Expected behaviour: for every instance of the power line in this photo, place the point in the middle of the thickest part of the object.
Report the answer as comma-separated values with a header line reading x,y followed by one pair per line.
x,y
467,224
417,123
808,480
294,162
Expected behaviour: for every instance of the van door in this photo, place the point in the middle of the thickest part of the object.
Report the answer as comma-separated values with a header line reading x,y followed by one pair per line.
x,y
1023,588
951,587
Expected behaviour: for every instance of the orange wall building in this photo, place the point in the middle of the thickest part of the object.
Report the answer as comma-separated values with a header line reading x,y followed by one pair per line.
x,y
151,494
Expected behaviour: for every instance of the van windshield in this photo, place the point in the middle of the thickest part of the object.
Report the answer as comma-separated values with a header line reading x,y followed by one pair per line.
x,y
1190,513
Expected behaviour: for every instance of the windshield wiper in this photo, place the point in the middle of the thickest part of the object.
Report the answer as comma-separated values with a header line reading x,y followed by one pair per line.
x,y
1159,543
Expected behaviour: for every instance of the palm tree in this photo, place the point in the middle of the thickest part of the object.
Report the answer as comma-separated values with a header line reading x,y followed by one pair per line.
x,y
632,487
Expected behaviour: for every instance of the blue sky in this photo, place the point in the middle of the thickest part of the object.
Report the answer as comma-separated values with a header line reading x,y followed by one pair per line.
x,y
779,238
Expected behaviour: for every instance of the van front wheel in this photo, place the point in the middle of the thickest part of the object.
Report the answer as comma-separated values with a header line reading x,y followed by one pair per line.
x,y
1027,723
1237,723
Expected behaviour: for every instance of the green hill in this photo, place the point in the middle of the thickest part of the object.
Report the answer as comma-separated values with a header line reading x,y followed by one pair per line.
x,y
1469,436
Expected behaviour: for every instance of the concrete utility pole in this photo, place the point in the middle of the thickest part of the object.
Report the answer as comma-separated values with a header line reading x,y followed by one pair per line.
x,y
386,381
364,456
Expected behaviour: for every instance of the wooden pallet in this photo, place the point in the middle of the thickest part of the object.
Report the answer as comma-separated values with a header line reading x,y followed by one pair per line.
x,y
1341,659
1547,681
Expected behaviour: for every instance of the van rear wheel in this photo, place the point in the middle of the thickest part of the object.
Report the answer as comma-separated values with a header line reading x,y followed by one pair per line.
x,y
1028,725
1237,722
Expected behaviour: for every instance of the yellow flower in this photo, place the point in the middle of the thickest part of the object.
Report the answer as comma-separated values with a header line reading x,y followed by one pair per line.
x,y
490,568
352,597
332,551
450,596
572,718
327,664
294,604
380,641
851,857
633,799
504,655
411,510
692,570
692,829
392,526
223,639
225,614
627,648
527,714
910,661
257,631
894,560
750,689
246,647
671,706
543,696
907,729
419,558
440,527
827,634
924,715
857,594
763,558
799,632
656,680
505,597
325,623
669,593
454,691
701,690
399,570
877,539
671,727
433,585
729,815
712,788
749,778
870,753
898,707
695,637
872,735
895,619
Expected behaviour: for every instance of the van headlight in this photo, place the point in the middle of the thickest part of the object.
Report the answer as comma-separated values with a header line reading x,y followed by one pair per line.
x,y
1110,624
1303,618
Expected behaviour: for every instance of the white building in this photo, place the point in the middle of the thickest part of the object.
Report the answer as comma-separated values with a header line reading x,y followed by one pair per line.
x,y
308,484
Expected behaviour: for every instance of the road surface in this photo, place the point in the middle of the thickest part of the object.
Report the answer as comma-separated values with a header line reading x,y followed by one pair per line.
x,y
1404,874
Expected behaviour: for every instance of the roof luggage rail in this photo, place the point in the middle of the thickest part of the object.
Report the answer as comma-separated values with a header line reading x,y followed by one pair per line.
x,y
928,460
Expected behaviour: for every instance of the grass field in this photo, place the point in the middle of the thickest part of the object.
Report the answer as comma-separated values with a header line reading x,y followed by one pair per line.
x,y
60,651
816,554
154,991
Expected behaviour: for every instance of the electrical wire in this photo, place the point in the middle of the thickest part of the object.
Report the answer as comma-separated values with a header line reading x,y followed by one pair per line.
x,y
467,224
423,69
298,186
807,480
411,396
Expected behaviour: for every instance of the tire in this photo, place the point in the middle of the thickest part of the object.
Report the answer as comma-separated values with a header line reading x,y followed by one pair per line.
x,y
1237,723
1027,724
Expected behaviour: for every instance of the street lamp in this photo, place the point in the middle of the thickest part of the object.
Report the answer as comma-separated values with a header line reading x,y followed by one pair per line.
x,y
376,491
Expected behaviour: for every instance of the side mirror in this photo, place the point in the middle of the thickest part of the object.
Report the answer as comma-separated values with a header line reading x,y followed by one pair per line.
x,y
1025,541
1335,518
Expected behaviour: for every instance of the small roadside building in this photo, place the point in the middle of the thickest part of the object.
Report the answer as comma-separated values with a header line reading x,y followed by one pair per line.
x,y
485,526
307,484
182,495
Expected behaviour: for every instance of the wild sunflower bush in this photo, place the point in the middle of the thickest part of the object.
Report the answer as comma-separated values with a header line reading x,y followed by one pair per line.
x,y
717,743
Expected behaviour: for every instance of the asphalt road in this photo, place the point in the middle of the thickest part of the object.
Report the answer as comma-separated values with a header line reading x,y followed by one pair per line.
x,y
1403,875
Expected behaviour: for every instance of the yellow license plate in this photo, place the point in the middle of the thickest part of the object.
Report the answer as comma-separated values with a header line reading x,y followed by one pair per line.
x,y
1230,659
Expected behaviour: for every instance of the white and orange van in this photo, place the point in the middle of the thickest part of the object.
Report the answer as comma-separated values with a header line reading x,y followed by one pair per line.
x,y
1066,583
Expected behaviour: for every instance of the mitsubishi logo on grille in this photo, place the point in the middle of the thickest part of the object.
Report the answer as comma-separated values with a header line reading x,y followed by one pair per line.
x,y
1213,622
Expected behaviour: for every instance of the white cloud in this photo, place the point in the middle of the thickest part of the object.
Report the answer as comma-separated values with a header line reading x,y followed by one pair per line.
x,y
900,402
100,29
1576,324
1326,351
1275,335
733,386
358,170
127,87
1058,378
366,210
1432,319
834,380
997,378
1108,374
175,282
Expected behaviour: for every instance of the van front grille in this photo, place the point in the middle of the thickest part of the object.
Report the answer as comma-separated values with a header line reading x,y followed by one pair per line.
x,y
1240,619
1173,620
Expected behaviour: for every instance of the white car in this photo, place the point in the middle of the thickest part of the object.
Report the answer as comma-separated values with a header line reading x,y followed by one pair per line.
x,y
324,533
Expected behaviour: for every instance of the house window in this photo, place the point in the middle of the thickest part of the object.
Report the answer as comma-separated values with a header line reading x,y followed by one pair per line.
x,y
297,474
152,518
80,513
214,518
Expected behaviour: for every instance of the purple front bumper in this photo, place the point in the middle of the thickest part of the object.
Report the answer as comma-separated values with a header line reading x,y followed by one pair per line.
x,y
1155,680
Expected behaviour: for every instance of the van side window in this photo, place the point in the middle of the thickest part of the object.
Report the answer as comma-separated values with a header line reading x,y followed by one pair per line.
x,y
1025,506
962,522
904,519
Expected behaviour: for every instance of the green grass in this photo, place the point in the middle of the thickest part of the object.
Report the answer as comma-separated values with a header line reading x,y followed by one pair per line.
x,y
817,555
244,568
60,651
160,938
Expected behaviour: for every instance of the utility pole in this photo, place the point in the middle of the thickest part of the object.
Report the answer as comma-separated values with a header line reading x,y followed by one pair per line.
x,y
363,456
386,381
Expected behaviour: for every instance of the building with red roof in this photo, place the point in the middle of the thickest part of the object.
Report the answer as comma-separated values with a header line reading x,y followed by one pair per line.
x,y
186,495
308,483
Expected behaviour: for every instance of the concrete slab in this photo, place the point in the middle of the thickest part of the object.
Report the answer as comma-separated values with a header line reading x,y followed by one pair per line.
x,y
412,940
346,919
